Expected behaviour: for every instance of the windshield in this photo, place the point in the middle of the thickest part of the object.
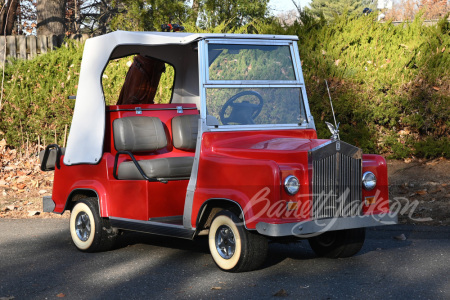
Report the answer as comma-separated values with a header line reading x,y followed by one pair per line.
x,y
250,62
265,105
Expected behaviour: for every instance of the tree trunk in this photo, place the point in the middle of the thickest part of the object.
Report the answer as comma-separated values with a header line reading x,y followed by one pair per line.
x,y
8,17
50,17
195,8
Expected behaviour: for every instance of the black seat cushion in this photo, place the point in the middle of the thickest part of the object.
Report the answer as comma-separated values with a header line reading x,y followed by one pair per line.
x,y
169,167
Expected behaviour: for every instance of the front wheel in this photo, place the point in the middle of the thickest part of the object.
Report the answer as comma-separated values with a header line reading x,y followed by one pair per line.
x,y
234,248
89,231
338,244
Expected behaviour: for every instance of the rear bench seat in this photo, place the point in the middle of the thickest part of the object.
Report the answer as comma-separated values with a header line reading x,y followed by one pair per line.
x,y
146,134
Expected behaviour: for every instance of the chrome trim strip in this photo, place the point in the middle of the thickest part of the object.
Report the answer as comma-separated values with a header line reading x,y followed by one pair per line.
x,y
255,127
296,57
189,200
202,69
152,227
278,41
148,109
255,84
306,228
321,146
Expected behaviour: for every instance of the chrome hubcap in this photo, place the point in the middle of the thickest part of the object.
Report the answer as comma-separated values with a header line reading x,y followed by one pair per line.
x,y
83,226
225,241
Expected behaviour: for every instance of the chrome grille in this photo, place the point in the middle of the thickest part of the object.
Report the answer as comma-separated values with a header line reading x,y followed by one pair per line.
x,y
336,181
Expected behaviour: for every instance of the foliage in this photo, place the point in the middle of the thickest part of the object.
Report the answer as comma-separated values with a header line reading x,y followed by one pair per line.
x,y
235,12
330,9
236,62
148,15
390,85
36,93
114,77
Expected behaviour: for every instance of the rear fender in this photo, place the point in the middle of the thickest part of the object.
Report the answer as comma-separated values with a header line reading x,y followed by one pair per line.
x,y
90,188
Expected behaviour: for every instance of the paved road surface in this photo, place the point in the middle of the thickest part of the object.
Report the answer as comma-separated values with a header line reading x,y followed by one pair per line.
x,y
38,261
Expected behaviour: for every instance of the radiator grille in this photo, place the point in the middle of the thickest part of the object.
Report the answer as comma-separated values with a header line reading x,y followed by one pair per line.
x,y
337,189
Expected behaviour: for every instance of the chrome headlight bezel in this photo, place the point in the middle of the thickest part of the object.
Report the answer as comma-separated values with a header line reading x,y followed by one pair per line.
x,y
291,185
369,180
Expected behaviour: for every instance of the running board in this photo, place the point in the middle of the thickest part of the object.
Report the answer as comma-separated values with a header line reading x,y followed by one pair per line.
x,y
157,228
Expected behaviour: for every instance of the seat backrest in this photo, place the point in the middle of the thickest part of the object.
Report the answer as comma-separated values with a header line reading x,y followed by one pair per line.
x,y
139,134
184,131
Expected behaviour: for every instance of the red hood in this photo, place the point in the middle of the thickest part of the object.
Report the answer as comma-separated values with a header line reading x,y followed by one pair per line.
x,y
278,147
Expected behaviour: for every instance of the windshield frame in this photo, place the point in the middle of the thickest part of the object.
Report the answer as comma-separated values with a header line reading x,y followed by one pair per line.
x,y
251,43
206,83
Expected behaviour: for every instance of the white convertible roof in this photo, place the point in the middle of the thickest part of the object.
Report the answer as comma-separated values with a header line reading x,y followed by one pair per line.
x,y
85,143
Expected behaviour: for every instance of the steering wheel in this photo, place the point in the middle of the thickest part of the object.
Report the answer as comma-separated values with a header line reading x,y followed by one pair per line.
x,y
241,112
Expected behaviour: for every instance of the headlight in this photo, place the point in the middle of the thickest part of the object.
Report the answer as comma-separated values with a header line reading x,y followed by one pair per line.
x,y
291,185
369,180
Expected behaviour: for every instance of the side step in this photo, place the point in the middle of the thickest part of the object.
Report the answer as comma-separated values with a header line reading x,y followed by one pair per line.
x,y
152,227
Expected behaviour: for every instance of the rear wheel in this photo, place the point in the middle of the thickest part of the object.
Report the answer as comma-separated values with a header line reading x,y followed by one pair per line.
x,y
234,248
89,231
337,244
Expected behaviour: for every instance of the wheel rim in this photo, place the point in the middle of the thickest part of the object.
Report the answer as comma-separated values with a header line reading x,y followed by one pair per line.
x,y
225,242
83,226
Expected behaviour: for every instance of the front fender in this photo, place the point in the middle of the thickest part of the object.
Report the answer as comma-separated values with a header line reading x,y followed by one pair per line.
x,y
376,201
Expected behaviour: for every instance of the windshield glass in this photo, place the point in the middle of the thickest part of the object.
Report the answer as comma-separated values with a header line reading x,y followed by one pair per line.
x,y
250,62
244,106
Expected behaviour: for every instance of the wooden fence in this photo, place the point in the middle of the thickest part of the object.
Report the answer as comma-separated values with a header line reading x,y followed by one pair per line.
x,y
28,47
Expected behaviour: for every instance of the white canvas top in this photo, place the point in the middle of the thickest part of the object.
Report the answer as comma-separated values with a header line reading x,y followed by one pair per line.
x,y
85,142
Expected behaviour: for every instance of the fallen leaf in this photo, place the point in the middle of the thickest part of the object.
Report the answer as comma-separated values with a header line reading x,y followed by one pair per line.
x,y
281,293
216,288
21,186
60,295
436,88
422,192
436,190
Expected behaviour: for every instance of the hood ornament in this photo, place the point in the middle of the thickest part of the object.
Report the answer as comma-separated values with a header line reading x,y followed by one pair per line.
x,y
334,129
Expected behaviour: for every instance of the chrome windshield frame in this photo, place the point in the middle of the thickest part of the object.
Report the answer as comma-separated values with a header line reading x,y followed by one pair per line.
x,y
206,83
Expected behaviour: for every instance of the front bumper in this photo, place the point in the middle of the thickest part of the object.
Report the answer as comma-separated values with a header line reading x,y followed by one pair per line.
x,y
312,227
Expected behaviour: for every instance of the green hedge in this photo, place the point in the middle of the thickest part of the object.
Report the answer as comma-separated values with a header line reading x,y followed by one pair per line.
x,y
36,92
390,85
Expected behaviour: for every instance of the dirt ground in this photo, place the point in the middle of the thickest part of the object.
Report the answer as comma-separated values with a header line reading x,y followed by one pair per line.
x,y
423,189
419,188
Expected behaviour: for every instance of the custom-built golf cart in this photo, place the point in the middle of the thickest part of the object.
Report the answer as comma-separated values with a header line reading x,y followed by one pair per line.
x,y
234,155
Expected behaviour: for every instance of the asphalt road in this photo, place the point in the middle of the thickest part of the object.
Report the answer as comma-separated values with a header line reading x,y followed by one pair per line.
x,y
38,261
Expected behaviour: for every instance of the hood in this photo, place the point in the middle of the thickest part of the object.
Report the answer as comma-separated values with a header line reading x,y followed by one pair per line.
x,y
262,146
